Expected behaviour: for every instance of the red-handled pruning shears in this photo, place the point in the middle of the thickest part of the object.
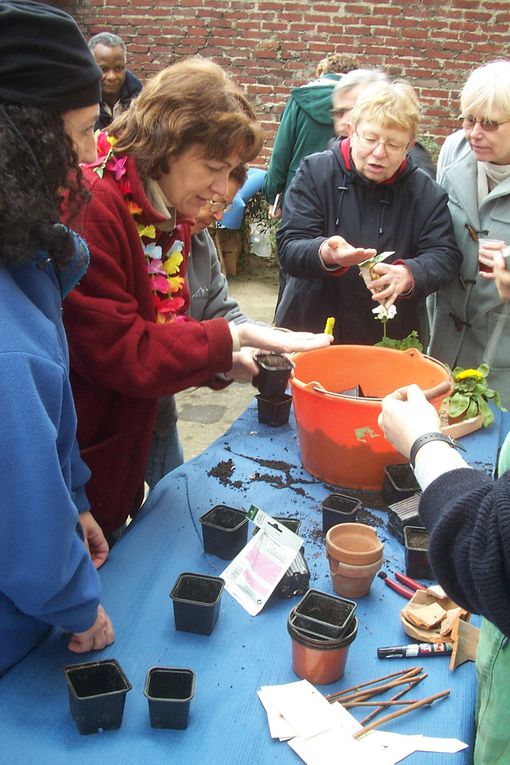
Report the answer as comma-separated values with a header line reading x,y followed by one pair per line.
x,y
405,586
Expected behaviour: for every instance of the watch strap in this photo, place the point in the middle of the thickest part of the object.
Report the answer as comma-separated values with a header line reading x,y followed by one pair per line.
x,y
426,438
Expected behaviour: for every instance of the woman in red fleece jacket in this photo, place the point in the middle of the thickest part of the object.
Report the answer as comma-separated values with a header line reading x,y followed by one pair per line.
x,y
129,337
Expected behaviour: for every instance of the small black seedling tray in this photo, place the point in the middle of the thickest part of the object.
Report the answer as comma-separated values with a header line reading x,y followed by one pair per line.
x,y
224,531
323,616
339,508
169,691
196,600
399,483
97,694
416,542
274,373
274,410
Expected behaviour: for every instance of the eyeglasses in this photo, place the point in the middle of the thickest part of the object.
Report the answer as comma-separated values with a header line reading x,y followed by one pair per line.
x,y
370,143
216,207
488,126
341,112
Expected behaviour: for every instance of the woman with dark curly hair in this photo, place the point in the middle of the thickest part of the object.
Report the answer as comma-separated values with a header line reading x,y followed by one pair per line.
x,y
130,338
49,91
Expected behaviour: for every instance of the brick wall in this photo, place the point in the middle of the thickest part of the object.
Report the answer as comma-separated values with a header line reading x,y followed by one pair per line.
x,y
271,46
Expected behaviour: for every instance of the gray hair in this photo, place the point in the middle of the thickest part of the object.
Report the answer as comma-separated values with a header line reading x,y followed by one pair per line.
x,y
108,39
488,90
357,77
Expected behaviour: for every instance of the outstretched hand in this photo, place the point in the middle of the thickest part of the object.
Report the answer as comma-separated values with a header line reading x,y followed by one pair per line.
x,y
280,340
336,251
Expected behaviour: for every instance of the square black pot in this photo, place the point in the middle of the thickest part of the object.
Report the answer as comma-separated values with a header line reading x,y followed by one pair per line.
x,y
274,410
224,531
416,541
196,600
97,694
339,508
323,616
402,514
169,691
274,373
399,483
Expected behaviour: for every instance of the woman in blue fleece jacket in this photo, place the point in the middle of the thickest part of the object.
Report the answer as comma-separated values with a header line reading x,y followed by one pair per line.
x,y
49,94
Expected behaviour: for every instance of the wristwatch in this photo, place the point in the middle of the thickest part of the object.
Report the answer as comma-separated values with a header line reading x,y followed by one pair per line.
x,y
426,438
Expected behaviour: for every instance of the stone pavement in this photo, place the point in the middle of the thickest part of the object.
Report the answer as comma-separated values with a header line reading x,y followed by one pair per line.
x,y
205,414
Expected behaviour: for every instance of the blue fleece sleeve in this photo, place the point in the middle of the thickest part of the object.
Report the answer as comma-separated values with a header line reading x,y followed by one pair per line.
x,y
45,569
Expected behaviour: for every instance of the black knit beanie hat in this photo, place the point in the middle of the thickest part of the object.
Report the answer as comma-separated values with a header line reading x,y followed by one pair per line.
x,y
44,59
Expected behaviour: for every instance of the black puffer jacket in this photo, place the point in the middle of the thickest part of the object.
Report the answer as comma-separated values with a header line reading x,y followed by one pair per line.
x,y
409,215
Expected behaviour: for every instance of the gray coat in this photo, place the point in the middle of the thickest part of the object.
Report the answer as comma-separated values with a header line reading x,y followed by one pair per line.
x,y
464,313
208,287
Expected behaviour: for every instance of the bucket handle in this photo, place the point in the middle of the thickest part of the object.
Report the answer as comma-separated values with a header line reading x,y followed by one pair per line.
x,y
430,393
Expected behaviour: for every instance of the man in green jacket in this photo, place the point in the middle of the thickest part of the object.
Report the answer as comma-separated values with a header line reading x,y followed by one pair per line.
x,y
306,125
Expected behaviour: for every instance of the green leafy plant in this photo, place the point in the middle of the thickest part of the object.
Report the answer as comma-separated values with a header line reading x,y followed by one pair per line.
x,y
471,394
411,341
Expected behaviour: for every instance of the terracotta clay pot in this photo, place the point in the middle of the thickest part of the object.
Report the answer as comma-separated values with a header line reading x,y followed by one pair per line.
x,y
354,543
320,661
353,581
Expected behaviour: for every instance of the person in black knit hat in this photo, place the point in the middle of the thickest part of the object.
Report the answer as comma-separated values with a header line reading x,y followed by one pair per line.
x,y
50,545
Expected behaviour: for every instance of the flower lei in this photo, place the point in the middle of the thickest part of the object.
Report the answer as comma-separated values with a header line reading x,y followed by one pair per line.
x,y
163,271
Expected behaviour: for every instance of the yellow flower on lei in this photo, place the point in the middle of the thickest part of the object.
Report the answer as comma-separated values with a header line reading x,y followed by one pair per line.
x,y
175,283
148,231
173,262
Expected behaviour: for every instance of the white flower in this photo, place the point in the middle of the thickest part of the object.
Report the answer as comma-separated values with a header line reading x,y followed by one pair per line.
x,y
383,314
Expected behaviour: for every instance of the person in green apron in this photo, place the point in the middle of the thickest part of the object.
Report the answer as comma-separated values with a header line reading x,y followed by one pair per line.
x,y
468,516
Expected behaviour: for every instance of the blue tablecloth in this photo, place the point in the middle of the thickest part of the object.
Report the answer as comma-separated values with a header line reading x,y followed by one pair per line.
x,y
250,464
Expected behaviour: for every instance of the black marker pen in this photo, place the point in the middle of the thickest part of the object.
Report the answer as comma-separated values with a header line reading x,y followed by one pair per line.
x,y
414,649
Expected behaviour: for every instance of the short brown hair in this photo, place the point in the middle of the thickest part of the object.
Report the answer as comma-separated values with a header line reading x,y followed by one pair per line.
x,y
336,63
191,102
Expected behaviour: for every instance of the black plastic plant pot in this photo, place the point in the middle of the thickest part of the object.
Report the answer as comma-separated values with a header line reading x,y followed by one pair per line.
x,y
399,483
320,615
169,692
291,523
416,541
274,373
97,694
196,599
339,508
274,410
296,579
402,514
224,531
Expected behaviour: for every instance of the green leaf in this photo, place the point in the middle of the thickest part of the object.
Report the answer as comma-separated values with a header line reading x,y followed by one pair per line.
x,y
486,412
472,409
458,405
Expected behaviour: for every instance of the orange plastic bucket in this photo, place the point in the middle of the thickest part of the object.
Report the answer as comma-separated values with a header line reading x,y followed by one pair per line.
x,y
340,440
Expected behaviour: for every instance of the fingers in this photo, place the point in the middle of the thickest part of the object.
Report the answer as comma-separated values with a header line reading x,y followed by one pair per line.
x,y
96,638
